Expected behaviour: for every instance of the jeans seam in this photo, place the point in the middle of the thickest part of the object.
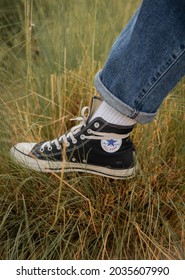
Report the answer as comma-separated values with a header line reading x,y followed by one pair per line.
x,y
134,114
164,73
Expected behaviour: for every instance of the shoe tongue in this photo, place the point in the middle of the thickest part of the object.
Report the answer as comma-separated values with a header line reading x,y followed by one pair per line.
x,y
95,103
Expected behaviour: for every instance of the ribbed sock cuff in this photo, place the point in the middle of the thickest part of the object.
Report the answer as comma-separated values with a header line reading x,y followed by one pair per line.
x,y
111,115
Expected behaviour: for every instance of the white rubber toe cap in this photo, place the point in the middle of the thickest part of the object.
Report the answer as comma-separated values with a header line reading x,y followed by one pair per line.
x,y
23,148
20,152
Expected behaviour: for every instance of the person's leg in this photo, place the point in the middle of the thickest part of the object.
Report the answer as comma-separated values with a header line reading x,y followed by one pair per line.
x,y
146,61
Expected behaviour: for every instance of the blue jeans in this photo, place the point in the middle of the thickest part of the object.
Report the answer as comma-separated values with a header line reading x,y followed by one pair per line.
x,y
146,61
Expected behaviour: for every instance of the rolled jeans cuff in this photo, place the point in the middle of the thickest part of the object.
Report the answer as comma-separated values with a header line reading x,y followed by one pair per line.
x,y
119,105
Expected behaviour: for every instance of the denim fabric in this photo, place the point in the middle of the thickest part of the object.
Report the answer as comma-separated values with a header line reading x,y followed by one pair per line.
x,y
146,61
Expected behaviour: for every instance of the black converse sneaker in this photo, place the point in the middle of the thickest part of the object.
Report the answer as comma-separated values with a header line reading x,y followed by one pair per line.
x,y
93,146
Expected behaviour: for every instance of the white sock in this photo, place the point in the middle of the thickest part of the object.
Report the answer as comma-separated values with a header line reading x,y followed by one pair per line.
x,y
111,115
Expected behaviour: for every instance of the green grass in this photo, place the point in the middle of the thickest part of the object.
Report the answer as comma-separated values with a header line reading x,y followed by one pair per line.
x,y
46,77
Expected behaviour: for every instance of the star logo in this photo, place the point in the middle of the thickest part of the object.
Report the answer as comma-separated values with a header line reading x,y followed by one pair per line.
x,y
111,142
111,145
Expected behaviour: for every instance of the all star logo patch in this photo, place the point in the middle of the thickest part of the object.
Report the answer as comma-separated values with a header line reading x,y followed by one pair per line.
x,y
111,146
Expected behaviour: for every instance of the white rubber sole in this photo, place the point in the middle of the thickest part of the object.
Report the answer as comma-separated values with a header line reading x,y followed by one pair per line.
x,y
58,166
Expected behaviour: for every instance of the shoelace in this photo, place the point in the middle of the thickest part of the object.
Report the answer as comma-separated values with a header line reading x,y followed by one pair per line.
x,y
75,129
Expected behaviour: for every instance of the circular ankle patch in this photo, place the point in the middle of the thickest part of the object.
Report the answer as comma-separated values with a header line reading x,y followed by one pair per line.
x,y
111,146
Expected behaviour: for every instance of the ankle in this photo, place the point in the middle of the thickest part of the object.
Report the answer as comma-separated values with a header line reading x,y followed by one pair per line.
x,y
111,115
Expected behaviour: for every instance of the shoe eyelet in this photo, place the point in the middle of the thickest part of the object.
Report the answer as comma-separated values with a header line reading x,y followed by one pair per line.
x,y
96,125
73,159
74,141
84,161
49,149
41,150
67,144
82,136
89,131
59,147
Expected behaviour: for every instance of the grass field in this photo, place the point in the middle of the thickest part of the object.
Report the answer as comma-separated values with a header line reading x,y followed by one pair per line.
x,y
46,77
